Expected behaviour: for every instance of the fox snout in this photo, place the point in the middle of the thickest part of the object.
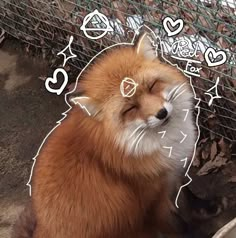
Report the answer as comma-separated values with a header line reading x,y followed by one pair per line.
x,y
162,115
165,111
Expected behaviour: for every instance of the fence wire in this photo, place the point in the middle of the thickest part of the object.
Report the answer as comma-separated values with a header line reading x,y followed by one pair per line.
x,y
48,24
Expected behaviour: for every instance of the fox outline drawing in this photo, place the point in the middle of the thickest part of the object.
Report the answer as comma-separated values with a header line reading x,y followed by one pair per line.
x,y
107,173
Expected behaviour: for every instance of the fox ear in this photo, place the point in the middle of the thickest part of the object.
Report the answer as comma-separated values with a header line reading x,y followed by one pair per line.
x,y
87,104
147,46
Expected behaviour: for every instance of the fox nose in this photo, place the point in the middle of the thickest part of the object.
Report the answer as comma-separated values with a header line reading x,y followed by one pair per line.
x,y
162,114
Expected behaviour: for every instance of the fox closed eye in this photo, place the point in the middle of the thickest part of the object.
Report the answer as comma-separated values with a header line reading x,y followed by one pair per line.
x,y
156,87
129,110
153,86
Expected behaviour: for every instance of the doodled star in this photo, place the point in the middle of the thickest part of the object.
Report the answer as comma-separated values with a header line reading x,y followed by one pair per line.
x,y
98,20
72,55
216,92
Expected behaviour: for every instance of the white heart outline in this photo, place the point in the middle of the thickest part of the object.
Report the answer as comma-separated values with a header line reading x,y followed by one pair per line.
x,y
173,23
214,53
54,80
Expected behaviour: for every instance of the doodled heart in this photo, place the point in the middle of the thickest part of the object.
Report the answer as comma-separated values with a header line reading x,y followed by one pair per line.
x,y
218,58
179,23
54,80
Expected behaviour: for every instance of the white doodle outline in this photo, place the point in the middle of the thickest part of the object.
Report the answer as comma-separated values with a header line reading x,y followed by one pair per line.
x,y
72,55
216,92
53,79
186,115
185,136
139,43
163,133
197,116
214,53
105,20
173,23
185,161
133,90
81,106
65,113
169,148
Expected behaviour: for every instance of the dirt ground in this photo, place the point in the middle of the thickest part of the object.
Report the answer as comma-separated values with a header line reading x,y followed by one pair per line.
x,y
28,112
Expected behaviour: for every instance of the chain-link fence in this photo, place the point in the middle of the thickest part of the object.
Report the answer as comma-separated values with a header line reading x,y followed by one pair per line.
x,y
48,24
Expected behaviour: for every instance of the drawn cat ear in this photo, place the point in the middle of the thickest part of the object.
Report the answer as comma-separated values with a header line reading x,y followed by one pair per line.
x,y
87,104
148,44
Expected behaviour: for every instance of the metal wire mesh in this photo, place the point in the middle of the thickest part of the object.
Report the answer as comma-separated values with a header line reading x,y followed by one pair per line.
x,y
47,25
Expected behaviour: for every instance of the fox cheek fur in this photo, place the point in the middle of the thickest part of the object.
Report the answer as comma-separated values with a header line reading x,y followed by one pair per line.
x,y
92,179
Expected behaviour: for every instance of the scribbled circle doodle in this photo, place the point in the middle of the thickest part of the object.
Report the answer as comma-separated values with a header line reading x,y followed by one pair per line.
x,y
128,87
98,23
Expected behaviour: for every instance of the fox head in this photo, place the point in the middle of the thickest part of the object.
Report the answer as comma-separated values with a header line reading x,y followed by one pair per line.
x,y
141,101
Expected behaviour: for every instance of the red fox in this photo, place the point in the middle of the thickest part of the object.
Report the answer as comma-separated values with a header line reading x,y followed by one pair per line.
x,y
110,168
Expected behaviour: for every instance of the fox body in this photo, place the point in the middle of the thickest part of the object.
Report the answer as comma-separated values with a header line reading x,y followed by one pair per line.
x,y
107,171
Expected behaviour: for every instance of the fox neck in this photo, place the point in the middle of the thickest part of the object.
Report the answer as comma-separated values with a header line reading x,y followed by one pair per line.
x,y
102,148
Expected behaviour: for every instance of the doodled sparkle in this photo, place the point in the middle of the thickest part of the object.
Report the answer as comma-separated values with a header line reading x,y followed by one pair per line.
x,y
185,161
68,47
216,95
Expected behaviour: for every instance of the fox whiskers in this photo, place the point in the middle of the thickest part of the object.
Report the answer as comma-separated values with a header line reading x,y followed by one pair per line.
x,y
137,138
140,138
173,93
136,129
178,95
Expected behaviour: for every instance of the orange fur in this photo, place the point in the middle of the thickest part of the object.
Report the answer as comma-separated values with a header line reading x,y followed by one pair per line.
x,y
84,185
